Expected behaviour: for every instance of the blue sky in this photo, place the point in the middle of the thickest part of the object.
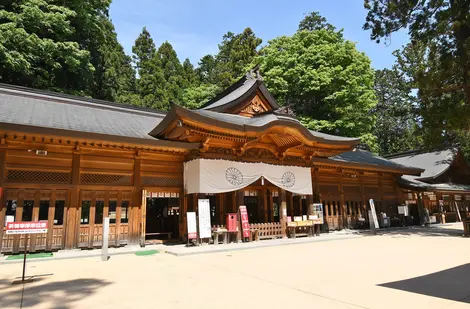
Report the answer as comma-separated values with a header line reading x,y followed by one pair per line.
x,y
195,27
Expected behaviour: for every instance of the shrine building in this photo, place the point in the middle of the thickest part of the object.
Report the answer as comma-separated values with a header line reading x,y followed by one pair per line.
x,y
73,161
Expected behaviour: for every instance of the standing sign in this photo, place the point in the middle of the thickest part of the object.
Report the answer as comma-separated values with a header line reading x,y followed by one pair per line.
x,y
27,227
204,212
192,230
374,214
17,228
244,221
317,213
403,210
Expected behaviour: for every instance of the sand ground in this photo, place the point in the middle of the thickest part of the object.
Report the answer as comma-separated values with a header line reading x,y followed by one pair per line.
x,y
397,269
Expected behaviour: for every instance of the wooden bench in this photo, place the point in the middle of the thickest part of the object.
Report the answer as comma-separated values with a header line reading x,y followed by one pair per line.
x,y
161,233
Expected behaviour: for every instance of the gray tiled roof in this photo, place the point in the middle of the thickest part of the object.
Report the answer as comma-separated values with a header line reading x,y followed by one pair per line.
x,y
365,157
434,163
43,109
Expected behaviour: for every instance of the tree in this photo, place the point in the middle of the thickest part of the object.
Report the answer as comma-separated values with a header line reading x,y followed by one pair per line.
x,y
151,80
195,97
172,69
396,128
323,77
236,52
314,21
437,60
38,49
189,74
206,69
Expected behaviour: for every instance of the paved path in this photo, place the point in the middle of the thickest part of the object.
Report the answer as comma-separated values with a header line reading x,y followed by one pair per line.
x,y
415,268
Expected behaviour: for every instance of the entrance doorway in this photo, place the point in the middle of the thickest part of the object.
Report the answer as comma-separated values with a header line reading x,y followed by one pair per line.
x,y
162,215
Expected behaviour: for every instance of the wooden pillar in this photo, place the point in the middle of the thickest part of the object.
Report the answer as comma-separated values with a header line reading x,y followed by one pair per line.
x,y
73,217
316,187
35,217
183,204
50,221
91,220
220,206
117,226
240,200
290,204
3,195
363,197
344,214
260,205
265,205
283,212
18,217
138,208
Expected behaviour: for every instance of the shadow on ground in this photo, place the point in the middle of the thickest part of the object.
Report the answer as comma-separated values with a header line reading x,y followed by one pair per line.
x,y
422,231
60,295
452,284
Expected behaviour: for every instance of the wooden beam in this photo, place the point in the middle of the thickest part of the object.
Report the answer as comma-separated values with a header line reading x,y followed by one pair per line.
x,y
137,209
290,204
344,214
72,225
50,221
3,195
35,217
18,217
118,219
183,204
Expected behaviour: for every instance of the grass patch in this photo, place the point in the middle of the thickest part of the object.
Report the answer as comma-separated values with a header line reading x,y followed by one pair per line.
x,y
146,252
30,256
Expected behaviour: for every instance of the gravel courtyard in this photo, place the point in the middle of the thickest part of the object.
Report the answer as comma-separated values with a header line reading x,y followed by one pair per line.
x,y
415,268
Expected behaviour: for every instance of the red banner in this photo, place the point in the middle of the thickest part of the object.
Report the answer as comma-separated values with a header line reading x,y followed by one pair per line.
x,y
244,221
36,227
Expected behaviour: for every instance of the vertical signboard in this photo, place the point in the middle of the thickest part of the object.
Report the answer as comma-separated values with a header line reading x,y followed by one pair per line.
x,y
317,213
244,221
374,215
204,213
192,230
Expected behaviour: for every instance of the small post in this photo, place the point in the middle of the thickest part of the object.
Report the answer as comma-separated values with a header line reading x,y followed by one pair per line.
x,y
104,248
26,236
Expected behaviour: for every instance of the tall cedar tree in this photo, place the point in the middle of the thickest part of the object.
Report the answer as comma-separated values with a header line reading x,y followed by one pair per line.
x,y
396,127
437,60
173,74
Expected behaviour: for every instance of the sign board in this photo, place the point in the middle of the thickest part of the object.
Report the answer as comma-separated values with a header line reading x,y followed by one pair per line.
x,y
204,212
374,214
244,221
34,227
403,210
318,211
192,230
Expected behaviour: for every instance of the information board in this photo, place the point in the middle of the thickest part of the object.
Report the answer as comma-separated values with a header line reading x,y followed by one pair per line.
x,y
318,211
35,227
204,212
244,221
403,210
192,230
374,215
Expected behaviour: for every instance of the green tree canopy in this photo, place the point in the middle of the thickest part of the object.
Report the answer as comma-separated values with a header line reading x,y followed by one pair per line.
x,y
196,96
325,79
396,127
437,60
314,21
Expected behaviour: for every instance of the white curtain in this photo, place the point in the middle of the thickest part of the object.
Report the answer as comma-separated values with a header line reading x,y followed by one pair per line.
x,y
218,176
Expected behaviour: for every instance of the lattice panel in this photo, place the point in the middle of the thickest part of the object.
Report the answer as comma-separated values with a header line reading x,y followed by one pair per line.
x,y
38,176
106,179
162,182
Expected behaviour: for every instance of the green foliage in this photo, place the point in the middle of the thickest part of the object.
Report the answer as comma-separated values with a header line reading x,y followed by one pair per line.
x,y
206,69
314,21
323,77
437,60
173,79
37,48
195,97
396,128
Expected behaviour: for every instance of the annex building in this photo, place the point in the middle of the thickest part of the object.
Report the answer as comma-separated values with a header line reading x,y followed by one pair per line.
x,y
73,161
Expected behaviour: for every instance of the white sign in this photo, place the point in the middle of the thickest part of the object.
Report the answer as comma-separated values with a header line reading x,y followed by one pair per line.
x,y
403,210
374,214
192,230
204,213
318,211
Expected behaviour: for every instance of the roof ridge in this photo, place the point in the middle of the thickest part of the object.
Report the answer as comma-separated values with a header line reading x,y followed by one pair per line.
x,y
226,91
59,97
416,152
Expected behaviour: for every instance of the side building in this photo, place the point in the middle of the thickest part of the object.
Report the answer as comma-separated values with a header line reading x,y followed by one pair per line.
x,y
73,161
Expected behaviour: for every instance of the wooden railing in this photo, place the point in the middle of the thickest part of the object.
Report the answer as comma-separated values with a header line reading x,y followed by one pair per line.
x,y
267,230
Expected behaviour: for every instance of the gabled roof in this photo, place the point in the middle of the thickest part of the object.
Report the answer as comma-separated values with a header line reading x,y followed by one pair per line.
x,y
240,92
245,124
433,163
365,158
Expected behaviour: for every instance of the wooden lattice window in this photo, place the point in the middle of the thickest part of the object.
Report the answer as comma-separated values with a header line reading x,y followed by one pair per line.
x,y
38,176
161,181
106,179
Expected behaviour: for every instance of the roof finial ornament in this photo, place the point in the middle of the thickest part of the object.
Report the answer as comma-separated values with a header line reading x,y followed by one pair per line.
x,y
254,73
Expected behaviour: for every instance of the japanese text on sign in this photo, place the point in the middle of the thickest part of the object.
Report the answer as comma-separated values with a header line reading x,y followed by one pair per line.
x,y
244,221
192,231
26,227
